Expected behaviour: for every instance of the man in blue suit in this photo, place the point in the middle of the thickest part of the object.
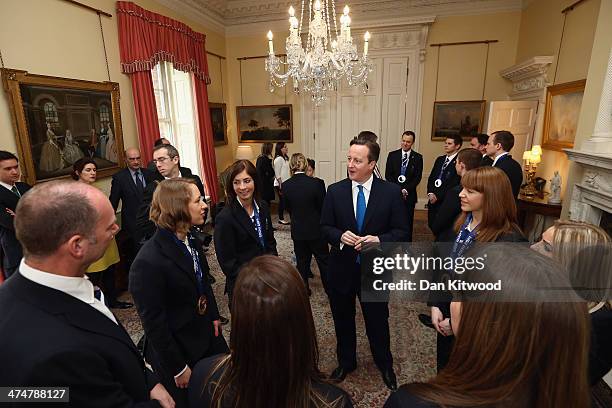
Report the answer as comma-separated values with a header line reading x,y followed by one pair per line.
x,y
359,211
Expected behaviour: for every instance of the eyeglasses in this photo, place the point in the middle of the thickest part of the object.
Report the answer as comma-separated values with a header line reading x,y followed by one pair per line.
x,y
161,159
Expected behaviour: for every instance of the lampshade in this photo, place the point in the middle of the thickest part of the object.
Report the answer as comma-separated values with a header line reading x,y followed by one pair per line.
x,y
527,155
537,149
535,158
244,152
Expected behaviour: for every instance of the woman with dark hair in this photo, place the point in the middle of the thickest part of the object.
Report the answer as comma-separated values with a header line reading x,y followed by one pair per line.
x,y
243,228
102,272
267,367
265,171
513,348
174,299
488,215
281,174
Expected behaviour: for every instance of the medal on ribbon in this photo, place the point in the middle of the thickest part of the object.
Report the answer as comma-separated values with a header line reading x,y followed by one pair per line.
x,y
401,178
438,183
202,305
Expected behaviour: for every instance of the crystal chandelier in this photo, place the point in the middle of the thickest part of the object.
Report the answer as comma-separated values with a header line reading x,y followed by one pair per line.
x,y
321,65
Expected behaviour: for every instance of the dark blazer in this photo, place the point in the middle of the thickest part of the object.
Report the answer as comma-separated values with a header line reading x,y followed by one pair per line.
x,y
145,228
448,211
200,393
236,241
164,286
414,172
265,171
385,217
513,170
600,354
124,189
304,197
11,248
450,178
63,341
486,161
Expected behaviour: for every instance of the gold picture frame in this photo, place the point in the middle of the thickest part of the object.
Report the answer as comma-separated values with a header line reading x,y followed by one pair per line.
x,y
218,120
58,120
561,114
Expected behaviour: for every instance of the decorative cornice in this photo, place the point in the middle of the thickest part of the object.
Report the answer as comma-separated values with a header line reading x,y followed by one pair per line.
x,y
603,161
197,12
529,77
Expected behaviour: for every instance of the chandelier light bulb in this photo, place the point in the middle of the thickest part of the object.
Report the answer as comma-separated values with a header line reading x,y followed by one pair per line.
x,y
366,36
334,44
291,11
294,22
317,5
346,10
348,21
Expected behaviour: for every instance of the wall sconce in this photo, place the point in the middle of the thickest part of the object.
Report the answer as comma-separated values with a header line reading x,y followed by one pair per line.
x,y
244,152
531,160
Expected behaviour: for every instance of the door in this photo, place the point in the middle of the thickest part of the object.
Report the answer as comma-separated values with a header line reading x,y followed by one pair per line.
x,y
518,117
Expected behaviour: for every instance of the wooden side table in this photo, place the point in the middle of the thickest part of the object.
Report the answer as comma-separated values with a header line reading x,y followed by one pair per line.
x,y
536,205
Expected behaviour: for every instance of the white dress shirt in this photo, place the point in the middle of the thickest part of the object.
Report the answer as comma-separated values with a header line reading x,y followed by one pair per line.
x,y
404,154
7,186
367,187
78,287
497,158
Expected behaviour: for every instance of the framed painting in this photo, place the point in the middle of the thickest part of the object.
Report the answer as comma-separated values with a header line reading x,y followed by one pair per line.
x,y
57,121
265,123
563,103
452,118
218,118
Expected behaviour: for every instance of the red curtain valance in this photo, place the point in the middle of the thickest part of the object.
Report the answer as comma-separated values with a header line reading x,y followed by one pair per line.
x,y
149,38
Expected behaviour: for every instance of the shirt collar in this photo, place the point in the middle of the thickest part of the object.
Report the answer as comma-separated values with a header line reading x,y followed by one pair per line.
x,y
367,185
255,206
7,186
132,171
78,287
299,172
406,152
450,158
497,158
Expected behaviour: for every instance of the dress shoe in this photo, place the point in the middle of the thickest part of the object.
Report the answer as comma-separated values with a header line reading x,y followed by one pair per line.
x,y
389,379
121,305
224,320
426,320
211,279
283,222
339,374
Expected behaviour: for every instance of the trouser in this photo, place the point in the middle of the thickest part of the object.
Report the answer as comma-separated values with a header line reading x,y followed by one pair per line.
x,y
410,209
281,204
376,317
304,250
432,210
444,346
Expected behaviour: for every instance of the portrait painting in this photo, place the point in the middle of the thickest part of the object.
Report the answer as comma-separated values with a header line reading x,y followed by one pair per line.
x,y
265,123
218,119
451,118
563,103
58,121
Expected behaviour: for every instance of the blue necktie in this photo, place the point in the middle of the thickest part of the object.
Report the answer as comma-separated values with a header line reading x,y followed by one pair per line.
x,y
361,208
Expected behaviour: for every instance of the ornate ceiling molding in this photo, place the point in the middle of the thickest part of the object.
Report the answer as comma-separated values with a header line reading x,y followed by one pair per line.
x,y
240,17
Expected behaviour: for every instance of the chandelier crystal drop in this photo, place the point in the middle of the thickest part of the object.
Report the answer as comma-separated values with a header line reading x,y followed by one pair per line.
x,y
320,65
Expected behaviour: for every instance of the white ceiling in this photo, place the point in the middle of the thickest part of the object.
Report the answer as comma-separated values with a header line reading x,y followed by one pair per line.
x,y
228,15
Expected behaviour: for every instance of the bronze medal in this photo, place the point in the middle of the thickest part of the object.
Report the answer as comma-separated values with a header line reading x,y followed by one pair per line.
x,y
202,305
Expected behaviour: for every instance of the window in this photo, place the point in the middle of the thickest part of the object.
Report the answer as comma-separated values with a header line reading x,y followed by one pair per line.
x,y
176,113
50,113
104,114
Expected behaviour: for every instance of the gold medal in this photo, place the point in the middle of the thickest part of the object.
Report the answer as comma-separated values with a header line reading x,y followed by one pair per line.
x,y
202,305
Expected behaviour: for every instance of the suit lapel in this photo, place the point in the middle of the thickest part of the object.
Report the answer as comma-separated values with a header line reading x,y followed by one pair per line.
x,y
74,311
245,220
130,180
10,199
349,208
174,253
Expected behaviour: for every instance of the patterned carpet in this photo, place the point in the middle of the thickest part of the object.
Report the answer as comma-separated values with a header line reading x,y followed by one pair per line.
x,y
413,346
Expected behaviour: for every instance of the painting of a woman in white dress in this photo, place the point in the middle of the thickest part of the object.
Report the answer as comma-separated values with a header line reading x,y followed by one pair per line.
x,y
72,151
111,146
51,154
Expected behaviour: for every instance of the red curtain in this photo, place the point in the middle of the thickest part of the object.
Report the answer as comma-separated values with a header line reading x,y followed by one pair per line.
x,y
145,39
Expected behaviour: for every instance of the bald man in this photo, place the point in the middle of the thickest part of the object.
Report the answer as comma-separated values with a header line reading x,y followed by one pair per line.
x,y
66,335
128,186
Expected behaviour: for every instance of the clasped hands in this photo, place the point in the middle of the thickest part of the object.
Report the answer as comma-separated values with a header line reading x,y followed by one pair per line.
x,y
354,240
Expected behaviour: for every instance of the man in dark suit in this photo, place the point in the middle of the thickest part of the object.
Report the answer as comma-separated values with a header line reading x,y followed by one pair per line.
x,y
405,168
11,190
498,148
304,197
128,186
359,211
67,336
443,177
479,142
467,159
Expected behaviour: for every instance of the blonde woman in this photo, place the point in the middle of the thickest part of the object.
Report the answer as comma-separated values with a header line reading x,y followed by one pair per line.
x,y
585,250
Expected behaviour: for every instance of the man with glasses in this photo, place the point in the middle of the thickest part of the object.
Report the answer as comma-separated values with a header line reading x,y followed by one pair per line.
x,y
128,186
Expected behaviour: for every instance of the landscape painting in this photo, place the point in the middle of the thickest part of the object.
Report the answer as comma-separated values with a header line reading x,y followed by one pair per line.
x,y
563,103
452,118
265,123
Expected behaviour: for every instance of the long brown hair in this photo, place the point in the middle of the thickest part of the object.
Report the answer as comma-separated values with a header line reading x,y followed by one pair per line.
x,y
238,167
515,354
170,205
268,366
498,204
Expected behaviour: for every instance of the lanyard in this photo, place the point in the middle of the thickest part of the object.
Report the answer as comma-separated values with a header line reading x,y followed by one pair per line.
x,y
193,254
444,166
465,239
258,227
404,168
